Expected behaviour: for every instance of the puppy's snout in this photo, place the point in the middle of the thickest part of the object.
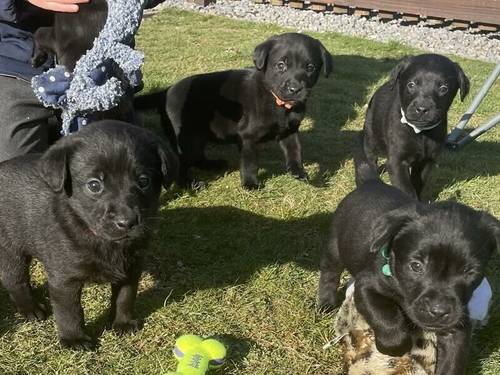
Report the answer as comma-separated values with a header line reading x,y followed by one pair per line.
x,y
439,310
421,110
124,222
293,87
421,106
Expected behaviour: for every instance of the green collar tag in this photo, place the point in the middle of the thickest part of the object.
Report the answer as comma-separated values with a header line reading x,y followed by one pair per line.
x,y
386,268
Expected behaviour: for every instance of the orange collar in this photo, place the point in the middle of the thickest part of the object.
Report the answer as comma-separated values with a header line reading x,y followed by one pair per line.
x,y
282,103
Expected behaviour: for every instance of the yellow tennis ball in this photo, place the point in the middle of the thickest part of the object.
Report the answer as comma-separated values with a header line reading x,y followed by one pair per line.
x,y
216,351
186,343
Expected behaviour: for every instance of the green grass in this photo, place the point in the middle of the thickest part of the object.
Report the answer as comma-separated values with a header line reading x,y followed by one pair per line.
x,y
244,265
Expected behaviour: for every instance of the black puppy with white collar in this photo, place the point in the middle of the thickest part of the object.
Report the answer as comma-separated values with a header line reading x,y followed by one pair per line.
x,y
246,106
406,120
416,266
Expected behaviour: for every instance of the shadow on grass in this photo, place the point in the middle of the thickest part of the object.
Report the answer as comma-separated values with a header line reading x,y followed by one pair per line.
x,y
217,247
474,160
334,102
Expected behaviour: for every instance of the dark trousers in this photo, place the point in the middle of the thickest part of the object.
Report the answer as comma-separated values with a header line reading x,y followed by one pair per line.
x,y
23,119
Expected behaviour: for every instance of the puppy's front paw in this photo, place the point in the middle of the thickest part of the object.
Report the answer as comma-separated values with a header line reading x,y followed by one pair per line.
x,y
37,312
39,59
250,185
299,173
126,327
395,344
82,342
328,302
250,182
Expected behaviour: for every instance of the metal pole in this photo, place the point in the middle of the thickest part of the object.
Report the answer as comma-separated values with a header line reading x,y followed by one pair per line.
x,y
473,106
477,132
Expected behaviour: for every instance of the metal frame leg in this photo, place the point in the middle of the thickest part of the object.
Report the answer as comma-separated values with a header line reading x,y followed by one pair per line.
x,y
457,131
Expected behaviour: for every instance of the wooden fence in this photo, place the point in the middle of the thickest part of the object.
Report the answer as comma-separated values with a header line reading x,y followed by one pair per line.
x,y
483,13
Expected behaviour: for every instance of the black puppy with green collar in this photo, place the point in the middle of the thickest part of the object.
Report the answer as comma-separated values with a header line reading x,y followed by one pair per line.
x,y
416,266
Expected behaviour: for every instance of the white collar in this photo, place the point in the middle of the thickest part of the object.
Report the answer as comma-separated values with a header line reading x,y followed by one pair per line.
x,y
416,129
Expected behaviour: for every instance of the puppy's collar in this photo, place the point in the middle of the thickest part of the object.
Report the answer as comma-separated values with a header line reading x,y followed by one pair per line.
x,y
416,129
282,103
386,267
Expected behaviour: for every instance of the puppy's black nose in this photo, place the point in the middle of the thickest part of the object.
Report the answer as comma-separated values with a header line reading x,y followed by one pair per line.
x,y
439,310
125,222
421,110
293,87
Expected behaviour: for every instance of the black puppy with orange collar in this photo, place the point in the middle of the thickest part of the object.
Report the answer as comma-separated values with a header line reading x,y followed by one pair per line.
x,y
246,106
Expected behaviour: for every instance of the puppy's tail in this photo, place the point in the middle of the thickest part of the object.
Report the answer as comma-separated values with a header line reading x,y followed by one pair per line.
x,y
363,169
158,101
155,100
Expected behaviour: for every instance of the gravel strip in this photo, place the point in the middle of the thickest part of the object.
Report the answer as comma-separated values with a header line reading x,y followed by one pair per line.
x,y
439,40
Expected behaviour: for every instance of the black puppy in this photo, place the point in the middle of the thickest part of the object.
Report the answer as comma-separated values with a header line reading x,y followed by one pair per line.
x,y
70,37
246,106
406,120
415,265
83,209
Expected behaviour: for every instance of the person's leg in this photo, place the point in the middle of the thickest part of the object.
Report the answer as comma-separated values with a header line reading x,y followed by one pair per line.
x,y
23,119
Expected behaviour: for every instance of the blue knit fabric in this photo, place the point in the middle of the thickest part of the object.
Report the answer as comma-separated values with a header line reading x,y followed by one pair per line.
x,y
93,86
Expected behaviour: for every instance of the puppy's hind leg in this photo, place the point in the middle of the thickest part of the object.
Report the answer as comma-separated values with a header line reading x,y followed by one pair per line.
x,y
370,154
331,269
293,156
249,164
14,274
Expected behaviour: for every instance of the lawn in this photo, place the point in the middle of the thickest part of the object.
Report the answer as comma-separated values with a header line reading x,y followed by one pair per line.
x,y
243,266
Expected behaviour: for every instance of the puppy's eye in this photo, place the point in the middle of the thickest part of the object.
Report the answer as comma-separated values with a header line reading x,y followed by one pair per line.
x,y
443,89
411,85
95,186
310,68
143,181
281,66
417,267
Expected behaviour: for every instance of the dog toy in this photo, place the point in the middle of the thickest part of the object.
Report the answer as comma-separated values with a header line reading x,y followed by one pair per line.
x,y
358,341
96,84
196,355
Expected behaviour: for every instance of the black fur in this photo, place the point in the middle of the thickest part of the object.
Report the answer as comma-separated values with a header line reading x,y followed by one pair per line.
x,y
424,87
70,37
238,106
438,255
50,213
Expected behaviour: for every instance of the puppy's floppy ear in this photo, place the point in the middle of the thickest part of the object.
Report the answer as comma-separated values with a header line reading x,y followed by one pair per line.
x,y
326,57
493,226
169,164
463,82
261,52
385,228
53,165
398,69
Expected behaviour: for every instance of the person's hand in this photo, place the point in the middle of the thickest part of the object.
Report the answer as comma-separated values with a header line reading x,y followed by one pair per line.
x,y
59,5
